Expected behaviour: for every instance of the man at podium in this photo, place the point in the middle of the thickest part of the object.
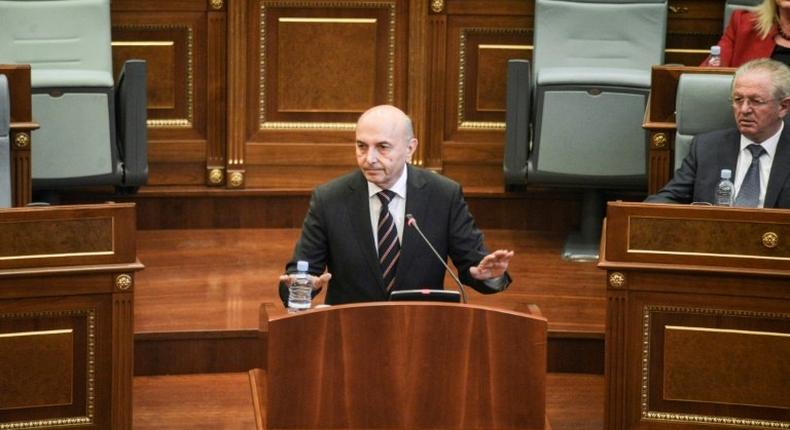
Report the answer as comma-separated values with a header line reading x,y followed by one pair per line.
x,y
757,151
364,228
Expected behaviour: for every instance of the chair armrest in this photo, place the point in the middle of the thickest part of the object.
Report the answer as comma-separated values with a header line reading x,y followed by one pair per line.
x,y
131,112
517,123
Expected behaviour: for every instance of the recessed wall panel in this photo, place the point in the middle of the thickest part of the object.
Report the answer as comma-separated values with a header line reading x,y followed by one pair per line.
x,y
326,64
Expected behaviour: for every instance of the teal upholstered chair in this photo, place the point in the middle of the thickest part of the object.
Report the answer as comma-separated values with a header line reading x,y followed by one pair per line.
x,y
586,100
93,132
5,143
731,6
702,104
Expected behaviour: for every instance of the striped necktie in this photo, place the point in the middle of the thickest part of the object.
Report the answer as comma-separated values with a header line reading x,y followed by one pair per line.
x,y
749,194
389,247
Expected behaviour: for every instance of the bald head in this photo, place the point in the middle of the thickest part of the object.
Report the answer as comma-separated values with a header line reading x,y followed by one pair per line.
x,y
388,115
385,143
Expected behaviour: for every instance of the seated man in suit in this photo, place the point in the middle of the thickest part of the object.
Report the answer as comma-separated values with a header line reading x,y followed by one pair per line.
x,y
355,227
757,151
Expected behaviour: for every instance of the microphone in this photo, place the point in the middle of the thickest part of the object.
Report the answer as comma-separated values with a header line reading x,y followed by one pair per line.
x,y
411,221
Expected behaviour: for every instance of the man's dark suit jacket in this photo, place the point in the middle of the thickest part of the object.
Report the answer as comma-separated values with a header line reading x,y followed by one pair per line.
x,y
337,234
696,179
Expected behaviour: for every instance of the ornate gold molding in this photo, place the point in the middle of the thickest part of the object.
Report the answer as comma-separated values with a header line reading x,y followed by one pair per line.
x,y
462,123
190,77
236,179
770,239
617,279
90,407
263,124
123,281
659,141
437,6
647,414
216,176
21,140
216,4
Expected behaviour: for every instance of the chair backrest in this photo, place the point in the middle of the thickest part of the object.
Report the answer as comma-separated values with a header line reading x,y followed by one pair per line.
x,y
5,143
702,104
592,64
731,6
66,42
615,34
405,365
68,45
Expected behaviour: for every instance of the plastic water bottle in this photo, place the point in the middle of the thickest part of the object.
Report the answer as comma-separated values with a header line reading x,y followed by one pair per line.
x,y
715,56
725,189
301,290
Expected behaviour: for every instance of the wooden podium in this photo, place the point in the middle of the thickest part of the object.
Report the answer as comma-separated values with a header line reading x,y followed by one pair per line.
x,y
66,291
402,365
698,317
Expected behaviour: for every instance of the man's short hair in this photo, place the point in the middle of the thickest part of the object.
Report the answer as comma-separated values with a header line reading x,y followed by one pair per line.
x,y
778,71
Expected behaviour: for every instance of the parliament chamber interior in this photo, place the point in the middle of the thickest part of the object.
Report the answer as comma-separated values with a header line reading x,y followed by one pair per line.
x,y
158,158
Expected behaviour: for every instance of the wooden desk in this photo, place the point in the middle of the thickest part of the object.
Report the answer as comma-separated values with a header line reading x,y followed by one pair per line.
x,y
698,317
660,120
21,125
66,314
403,365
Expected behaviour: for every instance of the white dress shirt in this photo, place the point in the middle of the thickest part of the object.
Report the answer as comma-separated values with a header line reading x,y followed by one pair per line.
x,y
397,206
766,161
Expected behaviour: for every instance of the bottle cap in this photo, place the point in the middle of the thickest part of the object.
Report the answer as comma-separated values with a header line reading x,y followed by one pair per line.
x,y
726,173
715,50
302,266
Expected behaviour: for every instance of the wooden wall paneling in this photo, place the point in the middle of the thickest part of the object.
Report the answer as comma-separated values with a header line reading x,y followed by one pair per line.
x,y
122,351
693,26
431,155
22,124
478,48
174,44
313,68
420,74
239,63
216,107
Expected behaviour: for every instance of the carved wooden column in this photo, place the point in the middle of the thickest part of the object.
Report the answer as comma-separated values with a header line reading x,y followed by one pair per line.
x,y
237,93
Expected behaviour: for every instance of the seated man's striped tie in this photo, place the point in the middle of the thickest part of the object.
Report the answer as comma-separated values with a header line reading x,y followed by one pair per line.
x,y
389,246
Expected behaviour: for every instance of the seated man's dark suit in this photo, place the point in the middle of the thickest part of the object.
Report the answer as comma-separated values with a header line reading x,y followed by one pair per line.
x,y
696,179
337,233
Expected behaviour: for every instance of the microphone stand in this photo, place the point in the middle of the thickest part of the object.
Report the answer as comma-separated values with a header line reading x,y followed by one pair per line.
x,y
413,222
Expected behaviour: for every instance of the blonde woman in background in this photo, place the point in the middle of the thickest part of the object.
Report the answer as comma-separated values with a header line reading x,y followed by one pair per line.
x,y
762,32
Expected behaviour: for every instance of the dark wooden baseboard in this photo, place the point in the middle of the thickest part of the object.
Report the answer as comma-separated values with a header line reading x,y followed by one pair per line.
x,y
179,353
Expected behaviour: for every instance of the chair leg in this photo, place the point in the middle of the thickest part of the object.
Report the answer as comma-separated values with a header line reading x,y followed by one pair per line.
x,y
583,245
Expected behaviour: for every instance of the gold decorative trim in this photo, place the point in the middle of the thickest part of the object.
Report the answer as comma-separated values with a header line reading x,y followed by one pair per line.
x,y
334,126
216,176
617,279
659,141
263,124
770,239
123,281
481,125
173,122
236,179
21,140
686,51
695,418
216,4
329,20
437,6
36,333
462,123
90,409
